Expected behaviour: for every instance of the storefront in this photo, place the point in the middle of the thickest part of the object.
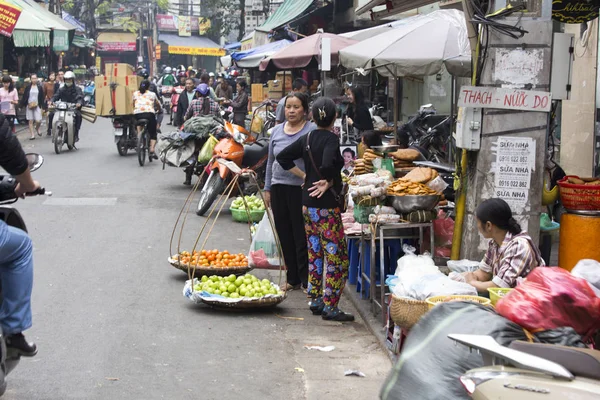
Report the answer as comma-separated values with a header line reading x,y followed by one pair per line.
x,y
176,49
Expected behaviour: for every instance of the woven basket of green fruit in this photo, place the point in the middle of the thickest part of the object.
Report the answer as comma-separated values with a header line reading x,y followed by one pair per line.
x,y
254,212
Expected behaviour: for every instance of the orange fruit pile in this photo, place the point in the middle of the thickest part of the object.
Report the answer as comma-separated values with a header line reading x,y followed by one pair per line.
x,y
212,258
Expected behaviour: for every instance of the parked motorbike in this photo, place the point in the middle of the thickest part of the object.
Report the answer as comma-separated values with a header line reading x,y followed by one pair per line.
x,y
531,371
177,90
89,90
237,145
9,359
63,127
125,134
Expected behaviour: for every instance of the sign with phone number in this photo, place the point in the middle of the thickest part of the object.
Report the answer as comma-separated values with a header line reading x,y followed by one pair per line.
x,y
197,51
515,161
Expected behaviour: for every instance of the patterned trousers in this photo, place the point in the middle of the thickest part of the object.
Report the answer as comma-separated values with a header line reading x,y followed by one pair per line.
x,y
327,253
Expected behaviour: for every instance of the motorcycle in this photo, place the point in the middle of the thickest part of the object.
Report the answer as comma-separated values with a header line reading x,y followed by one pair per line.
x,y
167,93
236,145
9,359
89,90
125,134
63,127
531,371
177,90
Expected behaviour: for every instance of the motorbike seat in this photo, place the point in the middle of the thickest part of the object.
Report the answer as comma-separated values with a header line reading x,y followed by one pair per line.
x,y
141,122
580,362
255,151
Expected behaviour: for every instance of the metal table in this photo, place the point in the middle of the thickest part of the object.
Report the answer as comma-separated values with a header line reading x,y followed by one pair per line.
x,y
402,231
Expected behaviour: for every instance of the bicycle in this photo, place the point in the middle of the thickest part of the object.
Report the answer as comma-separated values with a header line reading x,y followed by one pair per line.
x,y
143,142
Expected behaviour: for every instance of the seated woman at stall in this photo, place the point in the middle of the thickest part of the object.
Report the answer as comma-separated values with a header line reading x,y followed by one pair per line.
x,y
511,253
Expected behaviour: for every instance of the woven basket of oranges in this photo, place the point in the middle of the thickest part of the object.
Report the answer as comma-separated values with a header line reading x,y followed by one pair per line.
x,y
210,262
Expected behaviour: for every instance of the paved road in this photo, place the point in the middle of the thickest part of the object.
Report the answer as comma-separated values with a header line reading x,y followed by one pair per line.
x,y
109,317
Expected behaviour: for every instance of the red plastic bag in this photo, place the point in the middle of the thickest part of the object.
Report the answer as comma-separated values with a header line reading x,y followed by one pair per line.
x,y
443,231
551,298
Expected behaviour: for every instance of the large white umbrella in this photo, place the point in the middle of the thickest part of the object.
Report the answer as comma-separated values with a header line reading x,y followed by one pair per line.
x,y
419,47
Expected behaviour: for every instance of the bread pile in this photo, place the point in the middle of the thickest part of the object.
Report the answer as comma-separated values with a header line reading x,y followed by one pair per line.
x,y
404,158
422,175
365,165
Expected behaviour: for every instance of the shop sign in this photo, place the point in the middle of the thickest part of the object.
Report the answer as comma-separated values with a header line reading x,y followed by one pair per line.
x,y
203,26
158,51
117,46
170,23
185,26
60,41
508,99
575,11
99,63
515,162
197,51
9,15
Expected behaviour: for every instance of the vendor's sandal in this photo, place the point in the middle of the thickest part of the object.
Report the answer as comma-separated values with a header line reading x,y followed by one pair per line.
x,y
290,287
317,305
32,138
335,314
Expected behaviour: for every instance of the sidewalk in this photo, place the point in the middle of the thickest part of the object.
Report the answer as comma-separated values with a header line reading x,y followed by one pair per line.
x,y
323,372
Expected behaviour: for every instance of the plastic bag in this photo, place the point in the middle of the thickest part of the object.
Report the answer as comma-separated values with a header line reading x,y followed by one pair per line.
x,y
206,152
552,298
438,184
384,210
437,284
420,265
430,363
384,218
443,230
461,266
590,271
264,253
561,336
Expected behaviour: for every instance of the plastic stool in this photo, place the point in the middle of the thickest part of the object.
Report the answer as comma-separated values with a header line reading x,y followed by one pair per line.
x,y
353,255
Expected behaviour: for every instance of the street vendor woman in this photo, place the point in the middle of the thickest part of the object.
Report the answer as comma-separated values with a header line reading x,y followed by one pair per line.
x,y
511,254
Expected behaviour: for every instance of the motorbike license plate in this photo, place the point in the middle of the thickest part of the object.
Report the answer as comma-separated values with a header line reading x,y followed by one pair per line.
x,y
118,131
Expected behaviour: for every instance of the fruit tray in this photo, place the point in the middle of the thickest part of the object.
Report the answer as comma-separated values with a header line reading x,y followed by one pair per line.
x,y
202,270
226,303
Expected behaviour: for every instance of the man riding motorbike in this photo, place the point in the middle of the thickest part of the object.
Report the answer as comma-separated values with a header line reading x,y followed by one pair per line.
x,y
168,79
71,93
16,251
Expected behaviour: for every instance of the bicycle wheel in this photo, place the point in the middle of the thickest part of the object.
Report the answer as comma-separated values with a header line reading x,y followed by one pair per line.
x,y
142,148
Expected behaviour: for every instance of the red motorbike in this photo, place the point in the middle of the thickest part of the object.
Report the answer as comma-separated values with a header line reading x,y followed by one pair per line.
x,y
177,90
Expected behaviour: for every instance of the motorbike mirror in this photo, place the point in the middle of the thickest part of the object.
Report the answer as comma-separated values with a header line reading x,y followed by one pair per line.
x,y
34,160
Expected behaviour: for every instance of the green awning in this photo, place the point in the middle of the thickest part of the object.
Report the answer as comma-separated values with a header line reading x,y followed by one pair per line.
x,y
83,42
288,11
29,38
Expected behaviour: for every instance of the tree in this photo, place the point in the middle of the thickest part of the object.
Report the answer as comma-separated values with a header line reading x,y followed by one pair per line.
x,y
225,16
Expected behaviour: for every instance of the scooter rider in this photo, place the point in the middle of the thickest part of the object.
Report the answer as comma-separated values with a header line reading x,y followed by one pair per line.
x,y
168,79
16,251
71,93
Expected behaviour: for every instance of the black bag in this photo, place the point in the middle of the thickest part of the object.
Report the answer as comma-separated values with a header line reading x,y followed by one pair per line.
x,y
340,198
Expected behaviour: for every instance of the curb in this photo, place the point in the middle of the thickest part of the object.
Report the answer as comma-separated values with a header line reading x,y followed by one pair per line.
x,y
372,323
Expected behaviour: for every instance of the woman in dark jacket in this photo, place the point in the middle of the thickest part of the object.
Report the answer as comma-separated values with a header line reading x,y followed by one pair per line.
x,y
240,104
327,248
359,116
34,105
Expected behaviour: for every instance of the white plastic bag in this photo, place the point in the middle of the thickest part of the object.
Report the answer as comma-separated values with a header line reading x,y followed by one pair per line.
x,y
438,184
384,210
437,284
590,271
264,252
420,265
463,266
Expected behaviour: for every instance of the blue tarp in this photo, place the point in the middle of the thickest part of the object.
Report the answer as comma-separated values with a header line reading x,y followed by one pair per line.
x,y
233,46
73,21
264,49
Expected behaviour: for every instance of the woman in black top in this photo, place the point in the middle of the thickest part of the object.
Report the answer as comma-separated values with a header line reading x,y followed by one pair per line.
x,y
327,250
359,116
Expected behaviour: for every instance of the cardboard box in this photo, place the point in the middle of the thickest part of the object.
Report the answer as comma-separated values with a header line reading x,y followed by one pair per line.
x,y
119,70
103,101
122,100
101,81
275,95
277,86
132,82
257,92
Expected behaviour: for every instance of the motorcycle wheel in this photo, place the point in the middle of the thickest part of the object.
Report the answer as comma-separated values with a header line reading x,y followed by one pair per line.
x,y
70,147
211,189
59,140
122,146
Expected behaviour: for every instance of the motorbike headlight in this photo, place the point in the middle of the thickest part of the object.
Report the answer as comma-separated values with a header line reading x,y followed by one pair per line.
x,y
239,136
61,106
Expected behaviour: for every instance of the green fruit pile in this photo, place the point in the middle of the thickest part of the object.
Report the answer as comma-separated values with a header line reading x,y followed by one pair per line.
x,y
254,203
236,287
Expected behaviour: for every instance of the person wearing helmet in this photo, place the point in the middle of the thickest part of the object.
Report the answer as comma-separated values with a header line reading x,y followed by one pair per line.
x,y
181,77
202,103
168,79
71,93
145,104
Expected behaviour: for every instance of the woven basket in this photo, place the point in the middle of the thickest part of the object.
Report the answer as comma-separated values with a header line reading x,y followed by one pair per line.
x,y
208,271
579,197
433,301
245,304
407,312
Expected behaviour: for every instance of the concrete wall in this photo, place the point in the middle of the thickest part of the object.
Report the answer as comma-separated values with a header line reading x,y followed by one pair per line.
x,y
579,113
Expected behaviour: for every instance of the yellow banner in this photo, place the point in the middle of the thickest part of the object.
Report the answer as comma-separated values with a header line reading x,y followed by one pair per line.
x,y
197,51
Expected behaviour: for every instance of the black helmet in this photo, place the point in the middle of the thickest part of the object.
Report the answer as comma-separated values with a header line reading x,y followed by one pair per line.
x,y
143,73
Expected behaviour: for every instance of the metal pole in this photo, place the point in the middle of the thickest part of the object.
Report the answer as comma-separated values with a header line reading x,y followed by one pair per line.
x,y
396,101
452,114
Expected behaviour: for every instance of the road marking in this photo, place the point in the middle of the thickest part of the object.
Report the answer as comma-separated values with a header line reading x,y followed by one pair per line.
x,y
81,201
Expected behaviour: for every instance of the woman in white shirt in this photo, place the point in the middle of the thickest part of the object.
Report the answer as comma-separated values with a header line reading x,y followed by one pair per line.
x,y
145,104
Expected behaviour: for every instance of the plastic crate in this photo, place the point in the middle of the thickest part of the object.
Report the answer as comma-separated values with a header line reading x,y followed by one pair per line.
x,y
497,293
243,215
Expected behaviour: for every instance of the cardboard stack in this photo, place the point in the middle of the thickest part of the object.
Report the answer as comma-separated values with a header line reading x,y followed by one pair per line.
x,y
281,86
115,89
259,94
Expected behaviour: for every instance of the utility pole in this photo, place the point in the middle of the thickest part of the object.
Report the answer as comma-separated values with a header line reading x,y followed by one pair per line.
x,y
525,64
154,37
